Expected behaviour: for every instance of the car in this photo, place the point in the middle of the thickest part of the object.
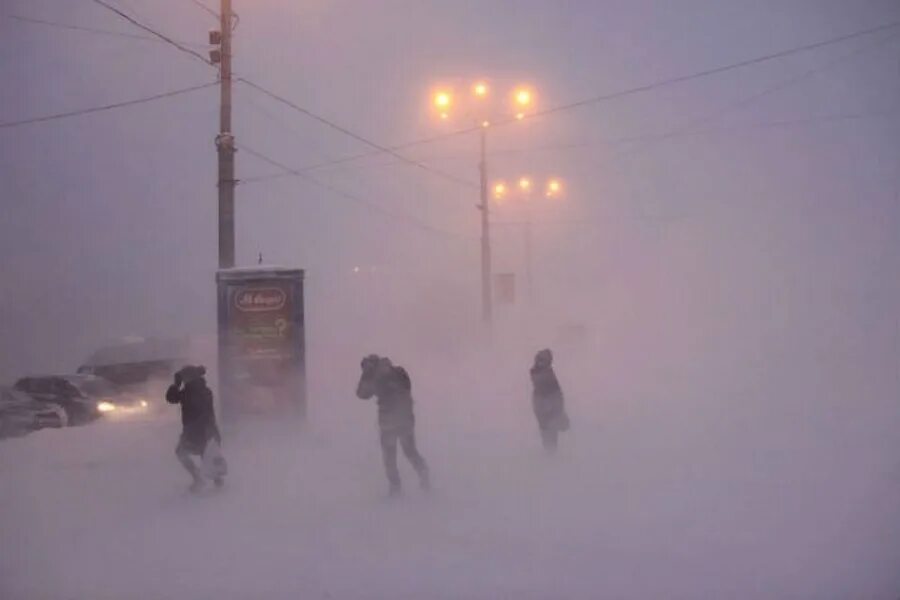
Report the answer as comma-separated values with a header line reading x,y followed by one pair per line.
x,y
137,361
21,414
80,406
112,400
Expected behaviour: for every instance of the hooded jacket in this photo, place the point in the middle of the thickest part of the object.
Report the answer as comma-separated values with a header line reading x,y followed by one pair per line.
x,y
547,397
392,387
198,417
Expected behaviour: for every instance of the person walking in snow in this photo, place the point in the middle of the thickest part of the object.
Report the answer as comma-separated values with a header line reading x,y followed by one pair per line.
x,y
392,387
198,419
547,400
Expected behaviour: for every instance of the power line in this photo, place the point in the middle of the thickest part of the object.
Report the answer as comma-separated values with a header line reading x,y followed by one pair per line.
x,y
784,123
713,71
777,87
355,157
285,127
153,32
623,93
355,199
205,8
648,137
94,109
688,128
381,149
591,143
94,30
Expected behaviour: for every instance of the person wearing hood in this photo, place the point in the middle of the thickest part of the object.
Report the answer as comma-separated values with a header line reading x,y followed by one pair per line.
x,y
198,420
392,387
547,400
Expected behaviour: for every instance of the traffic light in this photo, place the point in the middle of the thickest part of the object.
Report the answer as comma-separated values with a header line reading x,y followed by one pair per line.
x,y
215,39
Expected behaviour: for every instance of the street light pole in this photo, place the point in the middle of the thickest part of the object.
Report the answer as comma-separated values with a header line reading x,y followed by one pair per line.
x,y
443,103
225,146
486,307
528,252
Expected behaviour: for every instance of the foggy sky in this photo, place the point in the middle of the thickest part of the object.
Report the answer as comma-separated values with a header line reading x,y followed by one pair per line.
x,y
739,240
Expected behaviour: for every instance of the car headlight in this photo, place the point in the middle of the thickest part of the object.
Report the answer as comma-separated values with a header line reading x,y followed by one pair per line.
x,y
144,404
105,407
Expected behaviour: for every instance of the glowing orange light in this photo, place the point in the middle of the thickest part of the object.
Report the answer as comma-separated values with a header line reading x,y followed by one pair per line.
x,y
523,97
524,184
442,100
553,187
499,190
480,89
520,116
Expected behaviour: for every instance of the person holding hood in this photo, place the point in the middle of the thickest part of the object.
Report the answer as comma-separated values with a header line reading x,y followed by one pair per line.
x,y
198,420
391,386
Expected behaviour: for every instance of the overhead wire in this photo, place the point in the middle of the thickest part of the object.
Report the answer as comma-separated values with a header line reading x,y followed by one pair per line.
x,y
689,129
393,150
285,101
205,8
93,30
381,149
153,32
257,87
590,143
781,85
622,93
356,199
253,102
712,71
105,107
690,126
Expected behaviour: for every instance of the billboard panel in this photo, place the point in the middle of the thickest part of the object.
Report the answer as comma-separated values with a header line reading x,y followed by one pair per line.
x,y
261,339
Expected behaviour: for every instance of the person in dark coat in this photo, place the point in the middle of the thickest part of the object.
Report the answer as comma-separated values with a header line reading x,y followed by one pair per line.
x,y
547,400
393,389
198,419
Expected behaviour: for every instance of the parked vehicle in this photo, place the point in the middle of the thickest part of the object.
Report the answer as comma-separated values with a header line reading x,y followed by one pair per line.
x,y
21,414
111,400
137,361
80,407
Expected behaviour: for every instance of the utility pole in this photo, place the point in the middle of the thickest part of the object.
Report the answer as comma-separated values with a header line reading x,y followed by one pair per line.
x,y
528,254
486,307
225,144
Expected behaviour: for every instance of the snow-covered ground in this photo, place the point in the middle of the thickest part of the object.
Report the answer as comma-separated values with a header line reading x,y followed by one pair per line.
x,y
653,495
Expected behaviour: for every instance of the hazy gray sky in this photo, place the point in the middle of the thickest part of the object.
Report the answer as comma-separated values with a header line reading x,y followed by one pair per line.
x,y
108,227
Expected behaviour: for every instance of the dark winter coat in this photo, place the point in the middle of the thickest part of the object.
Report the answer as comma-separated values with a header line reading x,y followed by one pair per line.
x,y
547,399
393,389
198,417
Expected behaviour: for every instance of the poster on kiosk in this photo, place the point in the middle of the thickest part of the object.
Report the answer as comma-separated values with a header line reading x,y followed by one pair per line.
x,y
262,362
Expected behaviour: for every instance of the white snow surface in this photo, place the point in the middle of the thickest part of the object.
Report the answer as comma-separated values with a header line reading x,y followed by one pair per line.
x,y
656,493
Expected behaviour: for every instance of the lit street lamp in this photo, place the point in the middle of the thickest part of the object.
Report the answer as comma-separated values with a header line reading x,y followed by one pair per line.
x,y
478,108
525,187
554,188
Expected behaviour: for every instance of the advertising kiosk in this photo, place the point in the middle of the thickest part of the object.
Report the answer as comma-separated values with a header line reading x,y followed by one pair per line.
x,y
261,342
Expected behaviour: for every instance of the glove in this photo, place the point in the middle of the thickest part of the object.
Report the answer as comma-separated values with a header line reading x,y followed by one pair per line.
x,y
369,363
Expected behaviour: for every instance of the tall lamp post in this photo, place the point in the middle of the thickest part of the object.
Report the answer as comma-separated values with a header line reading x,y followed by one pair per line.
x,y
525,188
479,111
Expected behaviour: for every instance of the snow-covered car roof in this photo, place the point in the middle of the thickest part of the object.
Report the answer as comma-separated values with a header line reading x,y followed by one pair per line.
x,y
141,351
